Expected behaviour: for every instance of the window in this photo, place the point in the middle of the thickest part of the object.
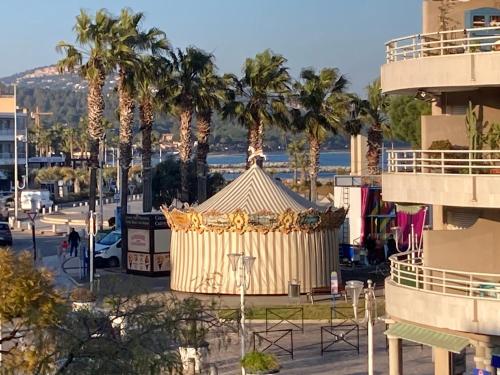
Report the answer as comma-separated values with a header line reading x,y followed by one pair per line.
x,y
495,21
478,21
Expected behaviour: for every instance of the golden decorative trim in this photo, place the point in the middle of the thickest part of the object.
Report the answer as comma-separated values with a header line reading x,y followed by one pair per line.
x,y
262,222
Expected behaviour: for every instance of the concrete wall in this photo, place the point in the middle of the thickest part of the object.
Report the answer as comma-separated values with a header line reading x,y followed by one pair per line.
x,y
442,311
472,250
430,14
6,104
451,127
353,218
447,190
358,155
433,73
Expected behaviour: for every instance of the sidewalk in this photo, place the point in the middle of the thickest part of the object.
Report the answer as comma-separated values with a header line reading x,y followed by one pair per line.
x,y
61,279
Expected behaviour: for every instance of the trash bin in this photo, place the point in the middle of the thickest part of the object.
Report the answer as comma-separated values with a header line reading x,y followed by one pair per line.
x,y
294,289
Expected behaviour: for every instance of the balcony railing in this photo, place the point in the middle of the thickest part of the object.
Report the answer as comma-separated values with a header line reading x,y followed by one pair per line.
x,y
407,270
480,39
472,162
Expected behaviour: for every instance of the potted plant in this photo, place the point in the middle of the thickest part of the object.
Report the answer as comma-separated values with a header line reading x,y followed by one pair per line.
x,y
192,334
256,363
82,298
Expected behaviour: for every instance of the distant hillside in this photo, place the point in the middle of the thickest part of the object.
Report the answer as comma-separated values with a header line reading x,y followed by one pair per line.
x,y
65,96
47,77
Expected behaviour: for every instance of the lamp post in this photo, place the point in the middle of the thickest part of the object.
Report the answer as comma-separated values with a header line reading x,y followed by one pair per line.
x,y
242,265
16,201
371,316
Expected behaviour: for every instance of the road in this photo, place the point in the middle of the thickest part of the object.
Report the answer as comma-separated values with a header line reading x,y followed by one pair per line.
x,y
47,245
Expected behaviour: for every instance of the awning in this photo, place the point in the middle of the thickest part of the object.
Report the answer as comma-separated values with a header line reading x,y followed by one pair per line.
x,y
428,336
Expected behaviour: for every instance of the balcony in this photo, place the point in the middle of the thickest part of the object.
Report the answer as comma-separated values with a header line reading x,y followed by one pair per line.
x,y
460,178
442,298
423,61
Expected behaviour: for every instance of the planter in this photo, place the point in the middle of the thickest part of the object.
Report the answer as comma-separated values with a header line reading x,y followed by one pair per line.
x,y
200,356
82,305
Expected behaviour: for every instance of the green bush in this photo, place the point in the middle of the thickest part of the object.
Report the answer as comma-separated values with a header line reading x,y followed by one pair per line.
x,y
260,363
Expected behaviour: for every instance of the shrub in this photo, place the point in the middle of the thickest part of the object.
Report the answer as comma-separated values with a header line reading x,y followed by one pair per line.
x,y
255,363
82,295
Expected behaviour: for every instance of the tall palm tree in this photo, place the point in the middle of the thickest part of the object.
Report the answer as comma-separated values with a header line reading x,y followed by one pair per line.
x,y
90,58
128,40
184,86
151,70
209,98
373,112
258,98
320,108
296,150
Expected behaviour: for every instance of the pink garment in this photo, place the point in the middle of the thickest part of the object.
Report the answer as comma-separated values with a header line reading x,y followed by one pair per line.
x,y
404,222
365,194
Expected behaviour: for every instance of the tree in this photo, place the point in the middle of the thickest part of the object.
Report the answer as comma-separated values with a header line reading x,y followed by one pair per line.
x,y
90,58
320,108
297,152
405,114
374,112
29,304
183,87
127,42
258,98
151,70
209,97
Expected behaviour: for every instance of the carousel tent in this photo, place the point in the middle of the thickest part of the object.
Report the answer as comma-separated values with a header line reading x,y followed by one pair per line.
x,y
290,237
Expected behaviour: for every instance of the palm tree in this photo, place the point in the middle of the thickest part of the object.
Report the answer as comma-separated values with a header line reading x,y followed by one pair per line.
x,y
296,150
184,86
127,42
209,97
320,108
151,70
258,98
373,112
90,58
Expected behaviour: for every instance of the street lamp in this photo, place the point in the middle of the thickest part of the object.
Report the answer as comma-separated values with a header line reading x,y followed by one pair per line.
x,y
370,318
242,265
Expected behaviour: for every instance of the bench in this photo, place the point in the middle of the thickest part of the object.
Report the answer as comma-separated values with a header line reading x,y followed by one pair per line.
x,y
324,292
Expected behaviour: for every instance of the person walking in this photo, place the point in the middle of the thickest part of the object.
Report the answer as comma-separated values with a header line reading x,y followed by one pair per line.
x,y
74,241
62,251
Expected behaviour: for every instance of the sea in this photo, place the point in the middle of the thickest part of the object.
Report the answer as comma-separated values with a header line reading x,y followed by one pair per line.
x,y
326,158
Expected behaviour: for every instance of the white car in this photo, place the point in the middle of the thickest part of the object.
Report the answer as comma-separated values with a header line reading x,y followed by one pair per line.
x,y
38,198
108,250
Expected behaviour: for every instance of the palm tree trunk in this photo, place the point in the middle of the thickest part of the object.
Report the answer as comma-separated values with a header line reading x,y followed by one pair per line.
x,y
203,126
313,166
126,104
259,146
374,143
185,151
95,104
253,141
146,114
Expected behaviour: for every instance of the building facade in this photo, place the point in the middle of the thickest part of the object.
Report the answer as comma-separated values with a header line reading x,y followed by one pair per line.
x,y
7,106
448,295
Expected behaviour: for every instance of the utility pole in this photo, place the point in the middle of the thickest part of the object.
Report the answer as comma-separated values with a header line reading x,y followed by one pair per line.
x,y
101,164
16,184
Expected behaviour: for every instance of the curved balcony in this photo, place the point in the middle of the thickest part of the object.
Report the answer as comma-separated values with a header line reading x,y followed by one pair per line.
x,y
460,178
422,61
442,298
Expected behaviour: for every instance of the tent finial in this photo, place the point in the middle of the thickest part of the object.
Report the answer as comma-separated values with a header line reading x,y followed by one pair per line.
x,y
254,154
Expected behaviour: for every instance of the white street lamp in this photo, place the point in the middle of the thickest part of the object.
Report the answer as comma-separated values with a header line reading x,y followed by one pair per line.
x,y
242,265
370,318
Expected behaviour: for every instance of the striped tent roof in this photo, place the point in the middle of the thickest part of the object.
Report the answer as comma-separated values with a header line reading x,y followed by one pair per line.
x,y
255,191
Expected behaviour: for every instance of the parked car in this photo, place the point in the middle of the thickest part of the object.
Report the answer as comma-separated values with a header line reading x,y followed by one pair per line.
x,y
5,234
40,198
108,250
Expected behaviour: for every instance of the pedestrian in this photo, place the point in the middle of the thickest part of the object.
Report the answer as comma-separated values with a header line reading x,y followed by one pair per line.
x,y
370,248
74,241
63,249
391,246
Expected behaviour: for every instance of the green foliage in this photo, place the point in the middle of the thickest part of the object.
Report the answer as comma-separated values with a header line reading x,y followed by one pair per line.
x,y
405,118
442,144
474,128
28,305
260,363
492,137
166,182
82,295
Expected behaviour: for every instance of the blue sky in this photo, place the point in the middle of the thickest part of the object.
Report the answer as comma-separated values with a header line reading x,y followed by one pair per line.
x,y
348,34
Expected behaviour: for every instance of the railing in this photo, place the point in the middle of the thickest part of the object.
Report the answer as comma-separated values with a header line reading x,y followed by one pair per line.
x,y
475,162
480,39
407,270
356,181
